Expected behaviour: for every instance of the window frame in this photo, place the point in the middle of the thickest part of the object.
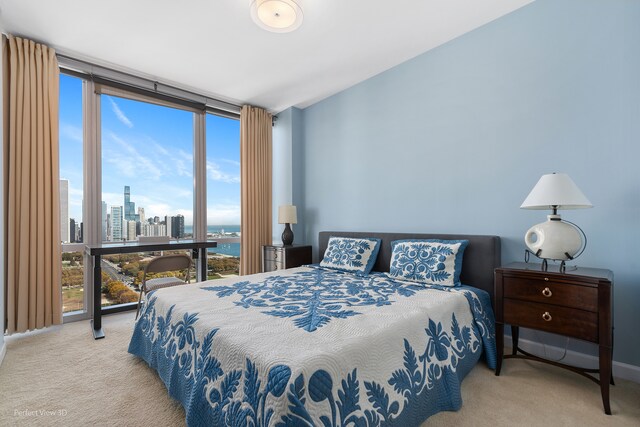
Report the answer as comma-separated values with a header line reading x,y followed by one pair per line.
x,y
92,89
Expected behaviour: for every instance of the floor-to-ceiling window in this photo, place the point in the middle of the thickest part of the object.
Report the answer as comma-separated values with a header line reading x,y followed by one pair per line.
x,y
147,184
223,194
142,178
71,193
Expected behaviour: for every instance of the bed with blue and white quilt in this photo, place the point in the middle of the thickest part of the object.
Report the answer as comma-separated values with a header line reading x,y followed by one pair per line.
x,y
315,346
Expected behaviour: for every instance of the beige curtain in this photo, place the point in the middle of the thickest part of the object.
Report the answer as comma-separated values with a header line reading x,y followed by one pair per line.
x,y
255,183
32,194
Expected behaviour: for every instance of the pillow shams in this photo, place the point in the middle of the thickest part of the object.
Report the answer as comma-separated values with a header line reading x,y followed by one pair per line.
x,y
355,255
430,261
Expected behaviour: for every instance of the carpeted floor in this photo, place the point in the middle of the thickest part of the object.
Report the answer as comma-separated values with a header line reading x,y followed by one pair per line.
x,y
83,382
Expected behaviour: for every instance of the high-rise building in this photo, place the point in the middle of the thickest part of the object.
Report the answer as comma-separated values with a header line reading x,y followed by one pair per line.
x,y
168,220
131,230
177,226
141,214
109,234
73,231
116,223
129,206
154,230
105,222
64,211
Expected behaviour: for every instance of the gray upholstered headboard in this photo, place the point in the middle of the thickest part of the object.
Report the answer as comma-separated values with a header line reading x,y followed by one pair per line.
x,y
481,256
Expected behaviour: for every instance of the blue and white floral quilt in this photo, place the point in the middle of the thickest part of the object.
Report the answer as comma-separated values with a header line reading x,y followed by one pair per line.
x,y
314,347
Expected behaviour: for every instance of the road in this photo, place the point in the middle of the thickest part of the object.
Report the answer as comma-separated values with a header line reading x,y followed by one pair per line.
x,y
114,272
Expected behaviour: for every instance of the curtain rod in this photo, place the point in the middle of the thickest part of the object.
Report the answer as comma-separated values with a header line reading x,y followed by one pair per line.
x,y
154,87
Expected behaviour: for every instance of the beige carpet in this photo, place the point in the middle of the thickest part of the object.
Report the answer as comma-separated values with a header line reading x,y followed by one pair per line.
x,y
97,383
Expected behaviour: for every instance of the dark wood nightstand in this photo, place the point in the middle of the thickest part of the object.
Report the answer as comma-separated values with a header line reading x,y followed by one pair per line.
x,y
576,304
281,257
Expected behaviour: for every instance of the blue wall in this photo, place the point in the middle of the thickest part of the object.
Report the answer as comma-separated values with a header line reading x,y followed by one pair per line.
x,y
453,141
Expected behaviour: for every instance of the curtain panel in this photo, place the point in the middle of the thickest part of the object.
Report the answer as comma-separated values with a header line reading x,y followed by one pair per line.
x,y
32,195
255,184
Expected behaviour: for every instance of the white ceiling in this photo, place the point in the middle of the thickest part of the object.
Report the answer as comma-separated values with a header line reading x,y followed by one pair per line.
x,y
213,46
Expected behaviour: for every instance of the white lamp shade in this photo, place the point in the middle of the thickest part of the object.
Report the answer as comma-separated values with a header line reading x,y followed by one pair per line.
x,y
556,189
287,214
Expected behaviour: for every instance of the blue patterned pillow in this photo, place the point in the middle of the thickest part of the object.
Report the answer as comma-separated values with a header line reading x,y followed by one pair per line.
x,y
355,255
430,261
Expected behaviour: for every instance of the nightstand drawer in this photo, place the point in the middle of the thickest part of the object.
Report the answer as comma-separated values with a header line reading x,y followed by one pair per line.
x,y
282,257
551,292
273,254
551,318
272,265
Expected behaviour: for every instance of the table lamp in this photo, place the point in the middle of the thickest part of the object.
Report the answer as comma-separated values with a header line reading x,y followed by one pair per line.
x,y
556,239
287,215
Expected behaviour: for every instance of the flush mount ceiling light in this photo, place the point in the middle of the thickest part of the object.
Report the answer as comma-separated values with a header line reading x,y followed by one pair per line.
x,y
278,16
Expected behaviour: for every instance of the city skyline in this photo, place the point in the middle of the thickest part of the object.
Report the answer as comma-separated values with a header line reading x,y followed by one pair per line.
x,y
123,224
119,223
150,148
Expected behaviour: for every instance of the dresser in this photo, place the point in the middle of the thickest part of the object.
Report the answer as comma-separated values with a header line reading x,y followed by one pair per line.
x,y
576,304
277,257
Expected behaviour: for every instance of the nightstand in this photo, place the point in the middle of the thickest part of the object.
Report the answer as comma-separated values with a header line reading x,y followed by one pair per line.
x,y
281,257
575,304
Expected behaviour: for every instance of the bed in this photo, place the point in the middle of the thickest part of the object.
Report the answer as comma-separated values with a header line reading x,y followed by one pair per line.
x,y
313,346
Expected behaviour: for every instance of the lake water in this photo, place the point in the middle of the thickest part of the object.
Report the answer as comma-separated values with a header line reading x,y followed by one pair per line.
x,y
232,249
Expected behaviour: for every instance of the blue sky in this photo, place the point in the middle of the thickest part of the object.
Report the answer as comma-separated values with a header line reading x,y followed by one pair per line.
x,y
150,148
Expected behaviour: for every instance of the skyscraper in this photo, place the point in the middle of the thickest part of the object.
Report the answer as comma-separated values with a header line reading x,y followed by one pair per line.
x,y
116,223
177,226
129,206
64,211
131,230
105,221
168,220
141,214
73,232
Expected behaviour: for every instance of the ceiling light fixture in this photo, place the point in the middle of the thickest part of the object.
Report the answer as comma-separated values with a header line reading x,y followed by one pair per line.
x,y
278,16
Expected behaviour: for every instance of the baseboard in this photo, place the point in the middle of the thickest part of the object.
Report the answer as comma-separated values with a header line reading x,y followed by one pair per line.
x,y
620,370
3,351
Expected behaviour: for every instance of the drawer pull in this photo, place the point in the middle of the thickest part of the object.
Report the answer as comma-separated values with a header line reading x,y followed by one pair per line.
x,y
547,292
547,317
546,279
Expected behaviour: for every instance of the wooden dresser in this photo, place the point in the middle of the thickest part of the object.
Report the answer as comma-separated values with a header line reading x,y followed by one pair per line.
x,y
282,257
575,304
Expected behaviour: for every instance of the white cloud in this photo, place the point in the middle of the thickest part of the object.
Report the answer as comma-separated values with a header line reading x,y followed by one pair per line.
x,y
157,147
71,132
129,162
182,169
186,156
223,214
113,199
214,173
231,162
119,114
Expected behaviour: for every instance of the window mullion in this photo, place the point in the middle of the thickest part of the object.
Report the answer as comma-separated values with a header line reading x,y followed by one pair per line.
x,y
199,182
92,172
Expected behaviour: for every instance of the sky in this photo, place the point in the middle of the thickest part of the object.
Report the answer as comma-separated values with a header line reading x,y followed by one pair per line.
x,y
150,148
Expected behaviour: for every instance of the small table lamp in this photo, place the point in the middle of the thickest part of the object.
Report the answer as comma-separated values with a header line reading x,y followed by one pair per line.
x,y
555,239
287,215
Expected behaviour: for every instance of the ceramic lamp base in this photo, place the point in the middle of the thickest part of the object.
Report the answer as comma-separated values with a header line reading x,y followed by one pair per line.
x,y
287,235
554,239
